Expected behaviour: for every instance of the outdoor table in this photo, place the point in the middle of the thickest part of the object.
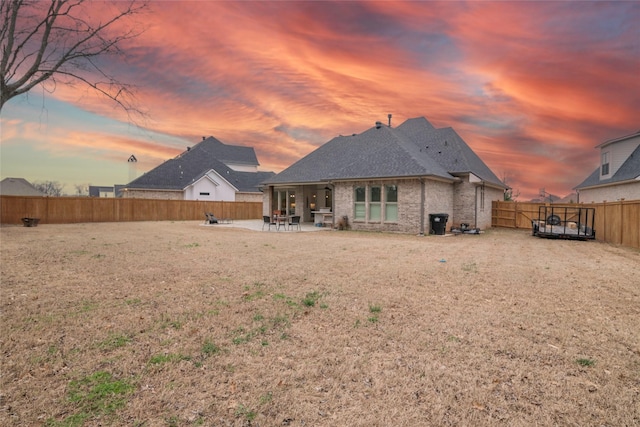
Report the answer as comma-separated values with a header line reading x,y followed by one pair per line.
x,y
282,220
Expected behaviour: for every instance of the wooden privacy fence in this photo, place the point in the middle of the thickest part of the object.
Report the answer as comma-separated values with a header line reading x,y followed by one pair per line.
x,y
67,210
615,222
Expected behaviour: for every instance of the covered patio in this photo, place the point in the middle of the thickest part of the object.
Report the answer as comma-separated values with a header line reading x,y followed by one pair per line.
x,y
312,202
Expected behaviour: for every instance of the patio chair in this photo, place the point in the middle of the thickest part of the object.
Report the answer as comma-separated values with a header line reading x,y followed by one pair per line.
x,y
294,221
266,219
211,219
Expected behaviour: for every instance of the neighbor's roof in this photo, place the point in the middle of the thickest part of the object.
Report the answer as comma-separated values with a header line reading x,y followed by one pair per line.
x,y
18,187
193,164
235,154
415,148
621,138
629,170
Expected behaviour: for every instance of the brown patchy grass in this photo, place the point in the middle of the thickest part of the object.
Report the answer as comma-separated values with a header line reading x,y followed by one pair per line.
x,y
180,325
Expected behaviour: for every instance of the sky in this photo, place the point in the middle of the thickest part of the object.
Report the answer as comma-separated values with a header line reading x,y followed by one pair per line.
x,y
532,87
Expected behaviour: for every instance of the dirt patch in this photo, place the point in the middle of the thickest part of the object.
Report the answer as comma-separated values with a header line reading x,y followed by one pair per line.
x,y
172,323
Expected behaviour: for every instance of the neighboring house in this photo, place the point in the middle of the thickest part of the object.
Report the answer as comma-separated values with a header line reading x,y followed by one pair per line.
x,y
105,191
18,187
618,176
210,170
389,179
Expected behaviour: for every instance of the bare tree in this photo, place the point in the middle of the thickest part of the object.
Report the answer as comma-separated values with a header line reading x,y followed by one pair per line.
x,y
56,41
510,195
82,189
50,188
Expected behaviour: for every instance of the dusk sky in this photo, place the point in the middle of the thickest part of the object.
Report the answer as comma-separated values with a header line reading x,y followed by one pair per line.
x,y
532,87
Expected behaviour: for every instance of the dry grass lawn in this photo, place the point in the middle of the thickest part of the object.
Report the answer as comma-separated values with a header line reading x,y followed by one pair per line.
x,y
176,324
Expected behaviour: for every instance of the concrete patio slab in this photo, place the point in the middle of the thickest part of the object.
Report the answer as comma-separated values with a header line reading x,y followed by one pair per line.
x,y
256,225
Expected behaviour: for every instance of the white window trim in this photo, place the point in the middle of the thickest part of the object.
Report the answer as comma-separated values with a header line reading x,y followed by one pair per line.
x,y
367,204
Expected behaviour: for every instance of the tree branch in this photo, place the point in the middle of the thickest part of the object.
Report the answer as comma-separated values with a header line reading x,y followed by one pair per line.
x,y
39,43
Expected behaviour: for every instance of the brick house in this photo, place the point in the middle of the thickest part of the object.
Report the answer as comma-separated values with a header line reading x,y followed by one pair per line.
x,y
388,179
618,175
210,170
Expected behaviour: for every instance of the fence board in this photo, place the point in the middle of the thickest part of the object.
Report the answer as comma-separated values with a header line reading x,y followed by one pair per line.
x,y
66,210
615,222
631,216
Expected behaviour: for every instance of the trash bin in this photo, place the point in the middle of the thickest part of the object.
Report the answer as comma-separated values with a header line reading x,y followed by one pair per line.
x,y
438,223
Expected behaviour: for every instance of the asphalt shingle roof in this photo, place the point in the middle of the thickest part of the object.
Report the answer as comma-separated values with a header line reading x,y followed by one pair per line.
x,y
415,148
18,187
228,153
629,170
193,164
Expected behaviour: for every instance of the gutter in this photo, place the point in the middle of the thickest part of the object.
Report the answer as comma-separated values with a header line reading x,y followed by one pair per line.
x,y
475,211
178,190
609,184
475,208
422,189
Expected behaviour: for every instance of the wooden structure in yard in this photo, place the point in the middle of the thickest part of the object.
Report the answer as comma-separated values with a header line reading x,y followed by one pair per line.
x,y
615,222
68,210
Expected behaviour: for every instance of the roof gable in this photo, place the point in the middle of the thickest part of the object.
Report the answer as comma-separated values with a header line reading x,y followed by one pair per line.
x,y
621,138
415,127
188,167
227,154
447,148
629,170
382,152
18,187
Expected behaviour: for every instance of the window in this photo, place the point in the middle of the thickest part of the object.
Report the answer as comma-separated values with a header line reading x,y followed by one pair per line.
x,y
376,203
328,198
605,163
292,202
285,201
360,199
391,203
375,197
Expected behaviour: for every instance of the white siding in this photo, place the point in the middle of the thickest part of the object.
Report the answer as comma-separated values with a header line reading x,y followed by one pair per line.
x,y
611,193
218,189
619,152
216,192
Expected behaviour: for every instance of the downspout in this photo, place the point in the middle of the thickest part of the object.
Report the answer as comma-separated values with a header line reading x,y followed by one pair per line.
x,y
475,212
422,187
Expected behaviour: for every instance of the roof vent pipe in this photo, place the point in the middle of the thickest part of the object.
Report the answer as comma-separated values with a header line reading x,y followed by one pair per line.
x,y
204,137
378,125
389,116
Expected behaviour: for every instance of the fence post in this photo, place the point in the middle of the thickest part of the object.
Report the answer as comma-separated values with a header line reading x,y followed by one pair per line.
x,y
604,220
621,221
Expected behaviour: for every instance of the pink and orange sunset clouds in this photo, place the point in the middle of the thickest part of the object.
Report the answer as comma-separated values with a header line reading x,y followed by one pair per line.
x,y
532,87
